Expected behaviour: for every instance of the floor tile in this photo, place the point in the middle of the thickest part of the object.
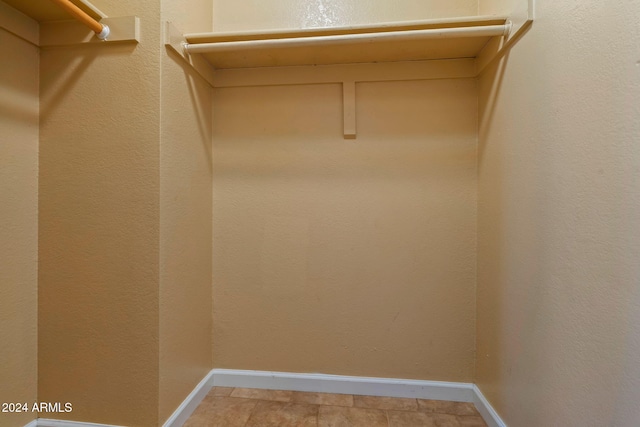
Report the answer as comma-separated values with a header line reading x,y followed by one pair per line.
x,y
221,391
445,407
339,416
473,421
445,420
411,419
322,398
390,403
222,412
283,414
245,407
256,393
198,416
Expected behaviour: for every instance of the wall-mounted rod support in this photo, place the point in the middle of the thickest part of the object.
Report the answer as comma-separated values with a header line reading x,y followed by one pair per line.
x,y
102,31
333,40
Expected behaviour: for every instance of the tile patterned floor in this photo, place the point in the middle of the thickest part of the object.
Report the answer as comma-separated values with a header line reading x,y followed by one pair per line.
x,y
246,407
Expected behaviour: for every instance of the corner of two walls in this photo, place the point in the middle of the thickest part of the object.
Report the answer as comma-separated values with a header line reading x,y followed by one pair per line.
x,y
18,224
185,215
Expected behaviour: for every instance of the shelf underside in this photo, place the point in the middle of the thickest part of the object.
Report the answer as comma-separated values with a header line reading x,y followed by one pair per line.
x,y
363,49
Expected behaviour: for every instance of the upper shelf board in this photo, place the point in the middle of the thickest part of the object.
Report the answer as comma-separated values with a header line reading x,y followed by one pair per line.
x,y
392,42
46,11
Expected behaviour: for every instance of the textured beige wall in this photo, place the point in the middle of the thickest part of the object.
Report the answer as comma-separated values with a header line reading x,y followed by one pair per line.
x,y
185,217
99,226
18,224
258,14
559,220
342,256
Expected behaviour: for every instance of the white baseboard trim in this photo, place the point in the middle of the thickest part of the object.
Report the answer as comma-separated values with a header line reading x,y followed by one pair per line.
x,y
44,422
319,383
489,414
191,402
322,383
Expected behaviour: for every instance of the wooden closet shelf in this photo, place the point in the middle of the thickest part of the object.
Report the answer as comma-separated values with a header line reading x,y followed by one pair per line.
x,y
392,42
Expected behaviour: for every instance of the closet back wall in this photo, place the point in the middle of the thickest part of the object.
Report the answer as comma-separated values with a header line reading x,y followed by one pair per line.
x,y
352,257
252,15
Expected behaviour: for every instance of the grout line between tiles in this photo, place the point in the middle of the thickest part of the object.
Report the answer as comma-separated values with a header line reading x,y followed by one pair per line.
x,y
250,413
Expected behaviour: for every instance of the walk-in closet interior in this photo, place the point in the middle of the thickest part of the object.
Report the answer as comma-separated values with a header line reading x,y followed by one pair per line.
x,y
424,199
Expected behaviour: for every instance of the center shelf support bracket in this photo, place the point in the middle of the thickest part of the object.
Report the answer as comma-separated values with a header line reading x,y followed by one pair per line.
x,y
349,109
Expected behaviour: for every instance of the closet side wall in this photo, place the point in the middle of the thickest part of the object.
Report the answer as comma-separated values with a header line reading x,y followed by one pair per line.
x,y
260,15
185,216
99,226
559,220
353,257
18,224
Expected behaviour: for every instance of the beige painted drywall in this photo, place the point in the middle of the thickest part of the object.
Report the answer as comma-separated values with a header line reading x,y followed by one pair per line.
x,y
259,15
125,268
559,220
99,226
343,256
185,216
18,225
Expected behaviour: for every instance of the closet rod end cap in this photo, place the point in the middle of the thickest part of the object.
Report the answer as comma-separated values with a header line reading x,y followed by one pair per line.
x,y
104,33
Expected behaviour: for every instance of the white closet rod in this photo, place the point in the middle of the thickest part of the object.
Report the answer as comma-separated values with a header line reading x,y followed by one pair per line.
x,y
333,40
